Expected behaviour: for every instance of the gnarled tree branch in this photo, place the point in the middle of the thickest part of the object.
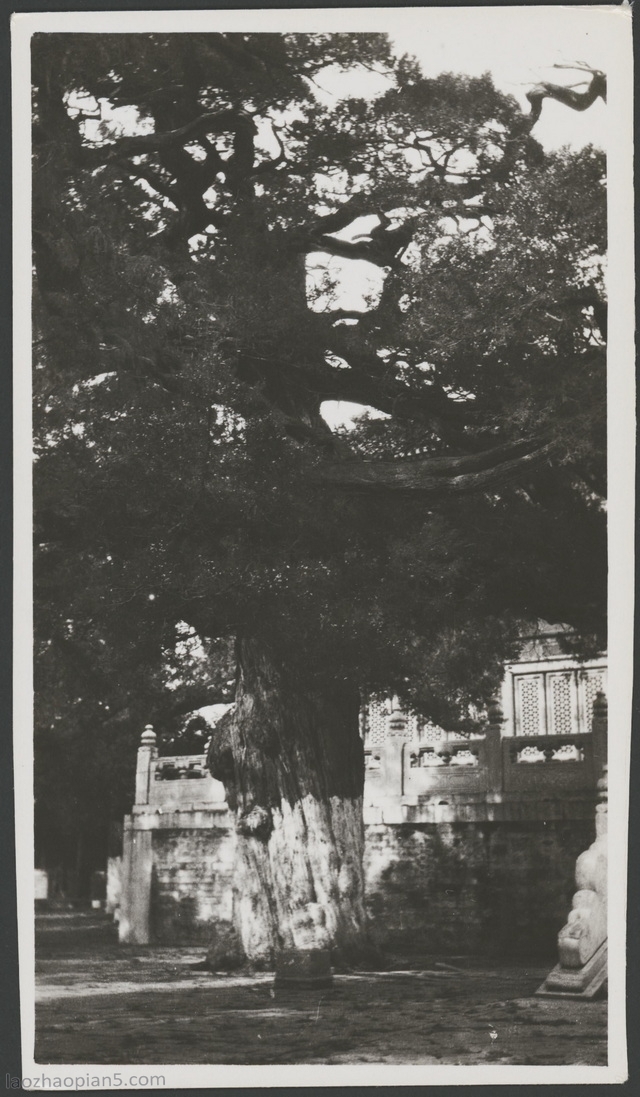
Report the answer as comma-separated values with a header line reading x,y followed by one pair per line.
x,y
569,96
223,121
437,476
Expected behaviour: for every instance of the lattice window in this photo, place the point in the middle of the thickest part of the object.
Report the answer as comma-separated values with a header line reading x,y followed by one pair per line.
x,y
376,723
429,733
529,698
556,702
562,698
380,723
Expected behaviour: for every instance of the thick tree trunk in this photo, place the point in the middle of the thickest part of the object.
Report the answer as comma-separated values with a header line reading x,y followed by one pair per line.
x,y
291,759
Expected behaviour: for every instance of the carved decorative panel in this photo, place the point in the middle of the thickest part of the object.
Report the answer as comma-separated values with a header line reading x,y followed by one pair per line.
x,y
529,704
562,703
376,723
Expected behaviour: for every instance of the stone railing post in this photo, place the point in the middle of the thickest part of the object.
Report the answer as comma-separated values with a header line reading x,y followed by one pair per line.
x,y
147,753
397,720
137,852
384,791
602,809
493,748
599,732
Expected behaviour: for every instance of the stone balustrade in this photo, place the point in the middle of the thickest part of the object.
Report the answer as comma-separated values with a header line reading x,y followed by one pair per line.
x,y
173,783
485,777
482,777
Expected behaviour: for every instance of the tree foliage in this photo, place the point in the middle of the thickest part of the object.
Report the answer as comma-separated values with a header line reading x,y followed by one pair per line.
x,y
186,189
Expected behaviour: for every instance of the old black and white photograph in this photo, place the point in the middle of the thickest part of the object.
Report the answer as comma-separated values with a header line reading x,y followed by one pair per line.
x,y
330,317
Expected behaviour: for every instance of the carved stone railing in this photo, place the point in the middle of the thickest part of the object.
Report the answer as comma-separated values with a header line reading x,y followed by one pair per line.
x,y
172,783
405,780
408,780
464,752
559,762
185,767
459,765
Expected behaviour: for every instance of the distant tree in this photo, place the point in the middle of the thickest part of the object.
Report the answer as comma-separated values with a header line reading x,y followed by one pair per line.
x,y
91,700
187,191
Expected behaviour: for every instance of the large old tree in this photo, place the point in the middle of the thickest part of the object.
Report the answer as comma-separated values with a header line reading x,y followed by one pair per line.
x,y
204,225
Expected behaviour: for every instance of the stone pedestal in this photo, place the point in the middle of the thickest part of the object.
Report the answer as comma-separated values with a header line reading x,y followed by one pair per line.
x,y
582,942
303,969
584,982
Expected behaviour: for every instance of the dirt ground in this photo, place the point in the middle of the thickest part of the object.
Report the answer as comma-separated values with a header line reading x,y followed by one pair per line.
x,y
99,1002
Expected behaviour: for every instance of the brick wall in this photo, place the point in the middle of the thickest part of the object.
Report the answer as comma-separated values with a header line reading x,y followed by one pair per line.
x,y
473,888
501,889
190,884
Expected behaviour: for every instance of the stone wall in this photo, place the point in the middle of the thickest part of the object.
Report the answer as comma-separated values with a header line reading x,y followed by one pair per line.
x,y
442,889
190,884
455,888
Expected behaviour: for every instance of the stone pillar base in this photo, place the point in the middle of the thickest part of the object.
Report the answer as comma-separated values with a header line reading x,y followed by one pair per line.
x,y
584,982
582,942
303,969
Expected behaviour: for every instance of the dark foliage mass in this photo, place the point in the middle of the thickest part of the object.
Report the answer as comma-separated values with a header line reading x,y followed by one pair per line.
x,y
186,483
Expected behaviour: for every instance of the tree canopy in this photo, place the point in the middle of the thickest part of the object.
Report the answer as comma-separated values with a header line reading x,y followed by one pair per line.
x,y
202,214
